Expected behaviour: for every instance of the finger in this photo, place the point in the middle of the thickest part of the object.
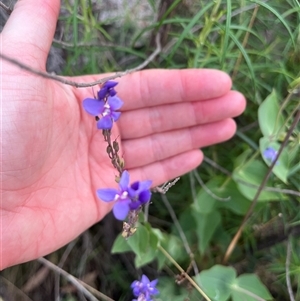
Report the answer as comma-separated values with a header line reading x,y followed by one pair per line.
x,y
29,30
165,170
150,88
163,118
157,147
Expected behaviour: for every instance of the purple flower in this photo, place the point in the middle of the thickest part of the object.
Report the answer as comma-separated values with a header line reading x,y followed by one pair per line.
x,y
270,154
107,88
126,197
107,109
144,289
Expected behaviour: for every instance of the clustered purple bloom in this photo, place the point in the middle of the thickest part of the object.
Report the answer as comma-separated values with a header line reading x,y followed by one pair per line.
x,y
127,197
144,289
270,154
105,107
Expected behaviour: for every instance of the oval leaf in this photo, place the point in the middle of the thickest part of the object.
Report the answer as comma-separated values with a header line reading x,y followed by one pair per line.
x,y
253,173
217,281
248,287
269,117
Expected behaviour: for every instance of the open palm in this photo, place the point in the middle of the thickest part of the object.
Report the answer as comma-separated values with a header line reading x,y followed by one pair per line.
x,y
54,158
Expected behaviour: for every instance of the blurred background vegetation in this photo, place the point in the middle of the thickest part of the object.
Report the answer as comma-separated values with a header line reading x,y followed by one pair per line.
x,y
258,44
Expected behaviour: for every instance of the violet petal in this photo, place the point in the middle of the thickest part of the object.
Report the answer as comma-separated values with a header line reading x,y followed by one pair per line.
x,y
115,102
121,209
105,123
144,196
107,194
124,180
110,84
112,92
134,205
115,115
145,280
145,185
93,106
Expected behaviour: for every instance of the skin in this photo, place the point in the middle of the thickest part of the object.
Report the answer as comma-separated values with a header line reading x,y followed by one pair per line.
x,y
53,157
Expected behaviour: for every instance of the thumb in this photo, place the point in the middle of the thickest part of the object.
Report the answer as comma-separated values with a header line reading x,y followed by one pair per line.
x,y
29,31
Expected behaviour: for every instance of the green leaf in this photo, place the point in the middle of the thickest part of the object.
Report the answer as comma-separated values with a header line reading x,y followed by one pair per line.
x,y
155,235
253,173
248,287
204,202
237,202
169,290
144,258
206,226
153,241
243,158
220,283
269,118
144,244
174,247
281,169
120,245
216,282
139,241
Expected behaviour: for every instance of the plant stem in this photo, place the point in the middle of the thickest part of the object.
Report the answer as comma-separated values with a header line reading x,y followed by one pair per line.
x,y
193,283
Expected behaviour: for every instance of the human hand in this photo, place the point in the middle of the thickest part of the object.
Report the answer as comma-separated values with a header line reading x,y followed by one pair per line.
x,y
54,158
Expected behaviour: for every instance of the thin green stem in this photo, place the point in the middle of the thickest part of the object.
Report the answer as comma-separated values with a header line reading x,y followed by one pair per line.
x,y
192,282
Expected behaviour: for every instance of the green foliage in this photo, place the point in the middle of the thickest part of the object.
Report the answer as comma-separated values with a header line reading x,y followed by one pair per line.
x,y
270,120
221,283
143,244
253,172
259,46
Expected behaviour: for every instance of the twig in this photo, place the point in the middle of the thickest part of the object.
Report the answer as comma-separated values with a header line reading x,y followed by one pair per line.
x,y
193,283
259,191
192,184
180,231
60,264
228,173
81,286
207,189
11,287
287,269
6,8
166,186
84,85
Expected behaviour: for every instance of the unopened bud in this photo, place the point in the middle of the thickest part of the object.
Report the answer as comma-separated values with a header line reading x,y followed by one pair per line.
x,y
121,163
116,146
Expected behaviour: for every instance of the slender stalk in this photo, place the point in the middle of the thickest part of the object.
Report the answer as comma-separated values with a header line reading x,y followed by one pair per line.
x,y
181,232
6,8
81,286
65,81
287,270
259,191
193,283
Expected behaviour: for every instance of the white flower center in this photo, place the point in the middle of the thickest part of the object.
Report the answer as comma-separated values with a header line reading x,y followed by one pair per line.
x,y
107,110
121,196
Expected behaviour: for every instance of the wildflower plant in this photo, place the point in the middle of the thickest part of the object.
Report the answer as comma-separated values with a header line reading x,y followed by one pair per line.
x,y
129,198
